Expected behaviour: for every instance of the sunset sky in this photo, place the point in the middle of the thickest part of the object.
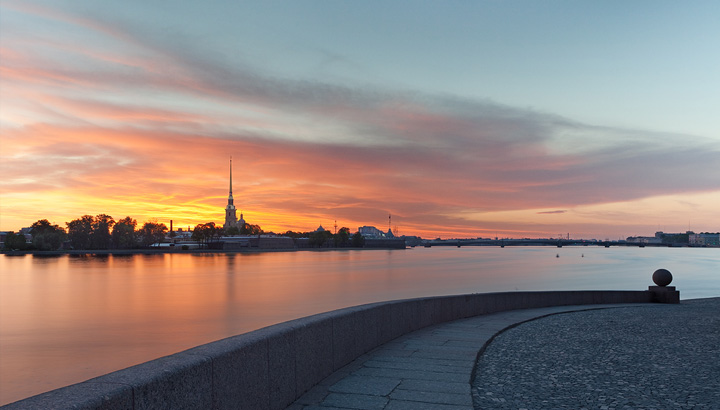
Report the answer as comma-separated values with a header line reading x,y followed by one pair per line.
x,y
600,119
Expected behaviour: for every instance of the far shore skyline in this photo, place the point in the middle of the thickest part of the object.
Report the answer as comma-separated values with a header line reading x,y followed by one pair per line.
x,y
461,120
329,227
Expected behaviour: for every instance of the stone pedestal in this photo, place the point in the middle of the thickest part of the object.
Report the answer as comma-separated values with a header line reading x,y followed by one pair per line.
x,y
664,294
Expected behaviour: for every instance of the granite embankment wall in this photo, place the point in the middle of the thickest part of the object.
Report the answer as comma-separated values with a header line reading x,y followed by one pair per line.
x,y
269,368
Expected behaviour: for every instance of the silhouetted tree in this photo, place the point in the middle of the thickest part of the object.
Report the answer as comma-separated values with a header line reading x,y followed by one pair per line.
x,y
100,238
123,233
342,237
152,232
15,241
204,233
80,231
41,226
296,235
199,234
46,236
358,241
320,238
248,229
233,230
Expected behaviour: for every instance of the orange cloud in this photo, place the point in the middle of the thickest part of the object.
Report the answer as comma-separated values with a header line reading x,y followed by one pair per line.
x,y
278,184
146,130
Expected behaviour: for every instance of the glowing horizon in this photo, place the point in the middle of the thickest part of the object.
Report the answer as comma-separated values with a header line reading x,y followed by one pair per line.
x,y
134,110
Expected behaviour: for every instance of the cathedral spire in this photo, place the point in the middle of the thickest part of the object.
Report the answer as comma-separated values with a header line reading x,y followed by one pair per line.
x,y
230,196
230,218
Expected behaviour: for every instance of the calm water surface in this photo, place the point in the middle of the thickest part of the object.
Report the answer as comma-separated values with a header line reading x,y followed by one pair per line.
x,y
66,319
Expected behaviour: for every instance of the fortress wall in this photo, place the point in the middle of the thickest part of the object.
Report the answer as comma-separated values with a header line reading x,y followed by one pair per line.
x,y
269,368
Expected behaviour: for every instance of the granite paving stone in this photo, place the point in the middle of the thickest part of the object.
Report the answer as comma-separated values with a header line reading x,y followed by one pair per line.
x,y
335,377
434,386
447,353
390,352
437,362
420,364
355,401
413,374
373,386
416,405
432,397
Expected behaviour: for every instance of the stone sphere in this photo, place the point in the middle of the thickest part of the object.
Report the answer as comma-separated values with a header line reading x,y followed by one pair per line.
x,y
662,277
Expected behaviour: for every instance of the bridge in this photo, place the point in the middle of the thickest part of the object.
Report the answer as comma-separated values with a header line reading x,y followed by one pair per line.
x,y
532,242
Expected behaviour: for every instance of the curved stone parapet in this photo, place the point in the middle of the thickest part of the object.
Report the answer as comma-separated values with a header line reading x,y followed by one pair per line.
x,y
269,368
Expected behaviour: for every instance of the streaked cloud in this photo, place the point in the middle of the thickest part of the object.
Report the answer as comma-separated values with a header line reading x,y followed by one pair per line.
x,y
146,129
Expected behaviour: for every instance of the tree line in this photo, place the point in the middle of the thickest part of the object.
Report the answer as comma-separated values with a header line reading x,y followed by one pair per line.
x,y
341,239
207,233
103,232
88,232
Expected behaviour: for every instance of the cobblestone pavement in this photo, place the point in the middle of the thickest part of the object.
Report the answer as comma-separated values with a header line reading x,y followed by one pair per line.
x,y
648,357
427,369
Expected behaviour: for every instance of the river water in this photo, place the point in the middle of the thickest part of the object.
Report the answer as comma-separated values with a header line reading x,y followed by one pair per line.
x,y
66,319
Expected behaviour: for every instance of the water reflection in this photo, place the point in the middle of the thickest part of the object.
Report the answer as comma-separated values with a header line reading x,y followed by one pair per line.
x,y
65,319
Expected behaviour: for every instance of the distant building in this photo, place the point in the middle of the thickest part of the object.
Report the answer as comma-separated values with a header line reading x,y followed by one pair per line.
x,y
704,239
674,238
373,232
181,234
370,232
230,213
413,240
644,239
24,232
678,239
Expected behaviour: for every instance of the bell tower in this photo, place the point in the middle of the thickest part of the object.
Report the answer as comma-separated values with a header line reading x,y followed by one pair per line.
x,y
230,216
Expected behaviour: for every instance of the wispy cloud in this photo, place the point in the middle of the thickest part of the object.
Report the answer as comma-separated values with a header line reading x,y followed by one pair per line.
x,y
162,118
